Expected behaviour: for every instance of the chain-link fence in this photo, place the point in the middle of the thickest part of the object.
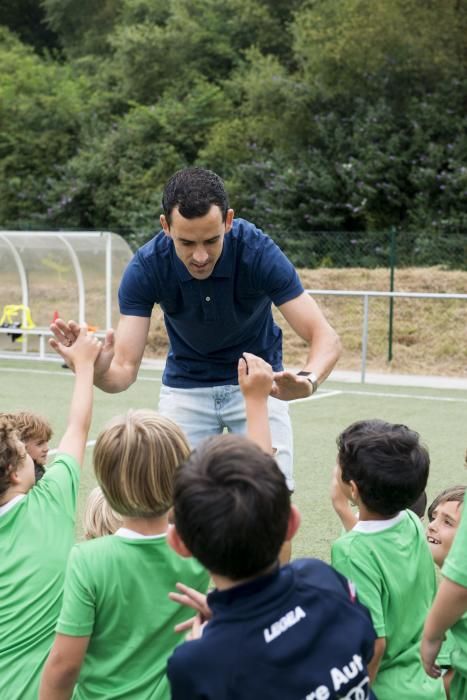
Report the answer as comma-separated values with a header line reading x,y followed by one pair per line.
x,y
390,248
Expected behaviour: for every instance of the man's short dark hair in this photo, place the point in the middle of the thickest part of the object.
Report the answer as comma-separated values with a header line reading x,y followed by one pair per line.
x,y
232,506
387,463
194,191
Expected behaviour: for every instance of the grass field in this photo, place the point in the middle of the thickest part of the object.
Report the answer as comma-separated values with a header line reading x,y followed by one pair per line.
x,y
439,416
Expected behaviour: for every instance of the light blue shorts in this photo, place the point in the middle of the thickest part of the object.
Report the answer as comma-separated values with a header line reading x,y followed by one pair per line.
x,y
205,411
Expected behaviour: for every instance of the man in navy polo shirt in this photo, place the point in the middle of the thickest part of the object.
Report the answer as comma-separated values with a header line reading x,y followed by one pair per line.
x,y
215,278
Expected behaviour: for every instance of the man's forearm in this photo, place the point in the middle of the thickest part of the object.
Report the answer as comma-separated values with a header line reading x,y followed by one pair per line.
x,y
117,378
323,354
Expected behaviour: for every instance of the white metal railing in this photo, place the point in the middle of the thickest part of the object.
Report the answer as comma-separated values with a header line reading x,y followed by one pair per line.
x,y
42,334
366,295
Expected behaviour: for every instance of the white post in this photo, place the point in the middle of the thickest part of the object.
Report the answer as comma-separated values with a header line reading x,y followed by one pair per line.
x,y
364,336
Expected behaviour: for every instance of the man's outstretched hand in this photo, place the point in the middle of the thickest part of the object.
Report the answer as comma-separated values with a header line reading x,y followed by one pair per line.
x,y
288,386
66,334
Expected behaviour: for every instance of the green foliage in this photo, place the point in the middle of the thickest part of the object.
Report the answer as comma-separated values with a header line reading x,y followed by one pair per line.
x,y
40,103
320,114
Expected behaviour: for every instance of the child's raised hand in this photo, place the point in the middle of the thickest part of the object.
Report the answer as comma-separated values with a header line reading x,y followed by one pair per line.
x,y
83,350
255,376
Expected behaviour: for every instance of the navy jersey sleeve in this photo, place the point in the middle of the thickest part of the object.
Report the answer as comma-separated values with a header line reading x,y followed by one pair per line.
x,y
275,274
138,291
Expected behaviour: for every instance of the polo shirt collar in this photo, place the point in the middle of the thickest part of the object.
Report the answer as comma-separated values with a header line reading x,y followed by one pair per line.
x,y
223,267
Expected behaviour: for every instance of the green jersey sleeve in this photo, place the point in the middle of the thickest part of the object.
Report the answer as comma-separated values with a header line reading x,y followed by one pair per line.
x,y
357,567
78,608
59,486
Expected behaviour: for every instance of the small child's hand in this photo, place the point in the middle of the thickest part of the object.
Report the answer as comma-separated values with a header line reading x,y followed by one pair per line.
x,y
83,350
255,376
192,599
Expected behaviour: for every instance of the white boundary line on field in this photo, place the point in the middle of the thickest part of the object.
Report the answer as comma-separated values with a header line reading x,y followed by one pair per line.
x,y
389,395
321,395
317,397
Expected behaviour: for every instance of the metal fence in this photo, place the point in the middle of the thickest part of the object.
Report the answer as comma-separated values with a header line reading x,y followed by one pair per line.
x,y
390,248
366,295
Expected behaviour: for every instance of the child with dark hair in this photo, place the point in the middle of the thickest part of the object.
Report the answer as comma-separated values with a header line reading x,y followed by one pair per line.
x,y
383,468
37,532
36,432
286,633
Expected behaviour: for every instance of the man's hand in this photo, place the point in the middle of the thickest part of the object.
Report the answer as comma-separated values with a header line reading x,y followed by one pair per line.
x,y
255,376
84,349
66,335
288,386
429,651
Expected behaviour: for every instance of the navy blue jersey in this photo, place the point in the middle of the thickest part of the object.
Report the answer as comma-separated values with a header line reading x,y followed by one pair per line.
x,y
211,322
297,634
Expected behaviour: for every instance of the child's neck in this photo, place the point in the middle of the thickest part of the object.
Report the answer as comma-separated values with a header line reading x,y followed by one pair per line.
x,y
147,526
11,493
223,583
365,513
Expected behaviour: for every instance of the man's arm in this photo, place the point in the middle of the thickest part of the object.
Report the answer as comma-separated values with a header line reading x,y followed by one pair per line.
x,y
120,359
324,348
62,667
449,605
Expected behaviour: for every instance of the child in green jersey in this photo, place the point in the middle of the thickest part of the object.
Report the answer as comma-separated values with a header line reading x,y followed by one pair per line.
x,y
116,628
37,531
448,616
383,468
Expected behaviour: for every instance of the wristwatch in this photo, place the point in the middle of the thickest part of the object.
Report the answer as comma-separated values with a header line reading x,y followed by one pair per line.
x,y
312,378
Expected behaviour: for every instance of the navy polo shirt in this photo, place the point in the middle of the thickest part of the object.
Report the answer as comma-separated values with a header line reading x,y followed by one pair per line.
x,y
211,322
298,633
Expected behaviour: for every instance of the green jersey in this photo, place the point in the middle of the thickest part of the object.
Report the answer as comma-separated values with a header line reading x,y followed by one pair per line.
x,y
455,569
37,532
116,592
392,567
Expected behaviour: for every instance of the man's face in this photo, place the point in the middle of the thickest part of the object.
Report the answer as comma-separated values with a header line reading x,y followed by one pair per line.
x,y
198,242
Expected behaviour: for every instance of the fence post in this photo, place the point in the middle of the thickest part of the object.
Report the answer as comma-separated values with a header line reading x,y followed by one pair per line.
x,y
392,264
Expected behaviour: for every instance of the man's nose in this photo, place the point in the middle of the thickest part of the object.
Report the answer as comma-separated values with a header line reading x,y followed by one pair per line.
x,y
200,255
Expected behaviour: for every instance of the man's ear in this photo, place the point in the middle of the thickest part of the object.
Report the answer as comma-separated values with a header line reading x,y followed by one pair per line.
x,y
294,523
165,225
229,220
176,542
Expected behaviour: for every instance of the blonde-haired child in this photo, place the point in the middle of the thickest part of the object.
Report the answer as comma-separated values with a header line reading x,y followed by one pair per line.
x,y
99,518
116,628
37,531
36,433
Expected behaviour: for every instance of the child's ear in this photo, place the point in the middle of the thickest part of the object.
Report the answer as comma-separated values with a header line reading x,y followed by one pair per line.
x,y
294,523
354,492
176,542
